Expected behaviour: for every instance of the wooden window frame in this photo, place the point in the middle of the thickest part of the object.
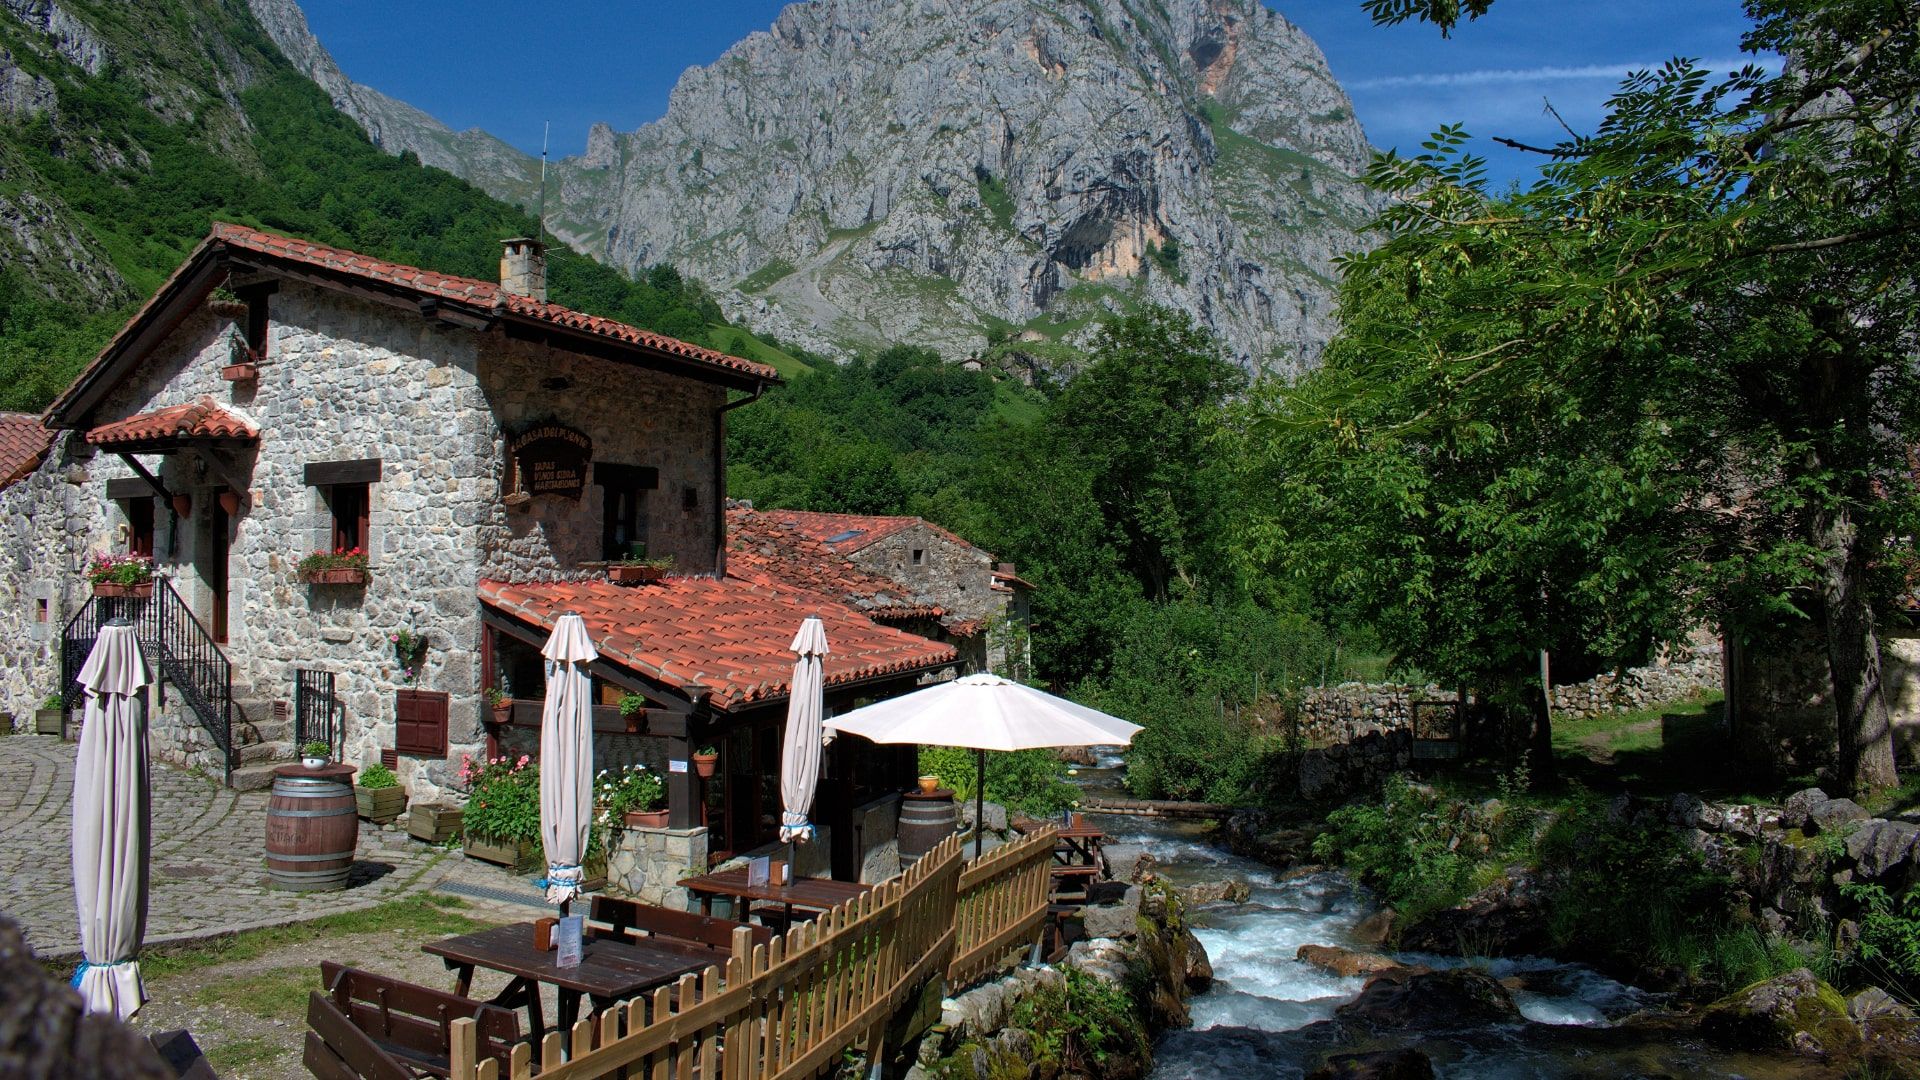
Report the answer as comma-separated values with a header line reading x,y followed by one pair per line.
x,y
614,480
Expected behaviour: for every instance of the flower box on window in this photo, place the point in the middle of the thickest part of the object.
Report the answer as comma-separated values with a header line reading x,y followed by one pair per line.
x,y
121,575
140,591
239,373
343,566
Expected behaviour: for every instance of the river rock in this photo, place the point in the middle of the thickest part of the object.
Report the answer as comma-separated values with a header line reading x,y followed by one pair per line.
x,y
1348,962
1126,862
1375,929
1432,1001
1831,815
995,813
1405,1063
1199,966
1115,920
1880,847
1506,918
1215,892
1797,811
1793,1012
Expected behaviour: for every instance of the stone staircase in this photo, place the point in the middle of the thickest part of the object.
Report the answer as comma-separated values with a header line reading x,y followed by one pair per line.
x,y
260,742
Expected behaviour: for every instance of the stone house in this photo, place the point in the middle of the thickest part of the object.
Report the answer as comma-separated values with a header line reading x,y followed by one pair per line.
x,y
489,452
983,607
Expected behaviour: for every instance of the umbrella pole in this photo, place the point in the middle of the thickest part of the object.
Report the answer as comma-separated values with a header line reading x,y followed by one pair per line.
x,y
980,802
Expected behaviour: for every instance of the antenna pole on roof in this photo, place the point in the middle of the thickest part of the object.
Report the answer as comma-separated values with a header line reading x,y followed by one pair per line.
x,y
545,131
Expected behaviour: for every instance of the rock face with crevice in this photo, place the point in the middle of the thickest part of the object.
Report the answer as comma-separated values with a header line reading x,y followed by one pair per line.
x,y
949,171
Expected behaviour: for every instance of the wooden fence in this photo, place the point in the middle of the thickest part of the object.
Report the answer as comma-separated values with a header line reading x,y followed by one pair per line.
x,y
790,1008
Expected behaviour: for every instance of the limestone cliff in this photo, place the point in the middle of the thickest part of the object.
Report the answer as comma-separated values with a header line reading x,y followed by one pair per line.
x,y
960,172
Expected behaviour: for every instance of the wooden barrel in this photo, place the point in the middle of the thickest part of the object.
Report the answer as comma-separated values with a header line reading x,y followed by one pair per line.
x,y
312,827
925,820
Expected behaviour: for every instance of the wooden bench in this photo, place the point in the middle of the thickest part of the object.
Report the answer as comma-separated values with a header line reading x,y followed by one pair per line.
x,y
630,918
371,1027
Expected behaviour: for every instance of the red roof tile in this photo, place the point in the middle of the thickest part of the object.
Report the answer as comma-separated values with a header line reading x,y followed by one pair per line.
x,y
762,546
848,533
23,442
477,292
726,638
194,420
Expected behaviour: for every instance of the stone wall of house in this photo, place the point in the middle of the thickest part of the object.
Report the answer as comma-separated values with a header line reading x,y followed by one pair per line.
x,y
957,576
346,379
648,864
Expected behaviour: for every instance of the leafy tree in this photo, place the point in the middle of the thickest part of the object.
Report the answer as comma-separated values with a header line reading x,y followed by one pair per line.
x,y
1679,369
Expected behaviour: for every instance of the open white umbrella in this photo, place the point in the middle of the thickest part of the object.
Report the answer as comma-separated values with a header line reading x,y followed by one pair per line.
x,y
982,713
800,754
110,823
566,757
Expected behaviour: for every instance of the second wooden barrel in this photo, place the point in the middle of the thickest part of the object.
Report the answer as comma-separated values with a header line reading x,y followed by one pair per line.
x,y
925,820
312,828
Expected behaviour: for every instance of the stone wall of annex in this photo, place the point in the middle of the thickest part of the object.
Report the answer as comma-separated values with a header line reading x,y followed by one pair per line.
x,y
46,522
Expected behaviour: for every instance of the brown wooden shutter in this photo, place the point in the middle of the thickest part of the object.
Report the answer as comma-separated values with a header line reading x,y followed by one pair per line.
x,y
420,722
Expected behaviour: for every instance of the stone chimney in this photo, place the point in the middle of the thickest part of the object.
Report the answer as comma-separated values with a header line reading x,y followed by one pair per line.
x,y
523,267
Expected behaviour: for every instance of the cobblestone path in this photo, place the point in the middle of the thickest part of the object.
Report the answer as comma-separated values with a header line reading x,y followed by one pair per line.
x,y
208,844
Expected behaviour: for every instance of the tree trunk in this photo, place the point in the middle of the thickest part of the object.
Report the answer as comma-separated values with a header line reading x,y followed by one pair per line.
x,y
1542,769
1853,658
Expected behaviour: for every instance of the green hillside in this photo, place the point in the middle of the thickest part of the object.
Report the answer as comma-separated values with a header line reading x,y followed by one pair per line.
x,y
138,159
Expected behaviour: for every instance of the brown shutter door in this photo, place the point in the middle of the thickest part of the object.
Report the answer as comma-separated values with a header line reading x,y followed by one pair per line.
x,y
405,722
430,715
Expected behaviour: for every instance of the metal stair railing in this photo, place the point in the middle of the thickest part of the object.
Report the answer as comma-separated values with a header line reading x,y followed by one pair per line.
x,y
179,648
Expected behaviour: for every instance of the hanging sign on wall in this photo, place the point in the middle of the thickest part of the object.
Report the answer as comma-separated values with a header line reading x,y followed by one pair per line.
x,y
550,459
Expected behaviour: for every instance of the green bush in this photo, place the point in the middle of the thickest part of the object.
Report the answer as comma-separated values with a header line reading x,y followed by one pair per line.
x,y
1420,851
1030,781
375,777
1889,946
1084,1023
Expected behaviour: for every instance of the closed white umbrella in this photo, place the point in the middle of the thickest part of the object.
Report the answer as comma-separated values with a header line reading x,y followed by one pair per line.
x,y
800,754
566,757
110,823
981,713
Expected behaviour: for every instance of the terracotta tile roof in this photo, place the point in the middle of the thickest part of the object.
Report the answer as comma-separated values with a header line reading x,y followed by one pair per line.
x,y
23,442
762,546
476,292
726,638
848,533
194,420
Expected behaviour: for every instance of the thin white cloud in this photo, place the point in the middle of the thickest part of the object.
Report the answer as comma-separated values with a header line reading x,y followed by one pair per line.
x,y
1507,76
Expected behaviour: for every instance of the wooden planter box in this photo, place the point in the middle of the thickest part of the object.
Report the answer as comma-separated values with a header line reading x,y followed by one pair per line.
x,y
647,819
379,805
518,856
47,721
343,576
238,373
142,591
625,574
228,309
433,823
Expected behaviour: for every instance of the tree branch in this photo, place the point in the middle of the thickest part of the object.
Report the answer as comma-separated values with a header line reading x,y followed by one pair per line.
x,y
1518,145
1826,241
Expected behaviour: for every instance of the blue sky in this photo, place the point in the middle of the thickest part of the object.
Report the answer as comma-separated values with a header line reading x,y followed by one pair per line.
x,y
506,68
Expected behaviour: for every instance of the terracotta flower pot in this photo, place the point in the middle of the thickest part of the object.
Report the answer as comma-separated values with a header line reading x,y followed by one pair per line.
x,y
503,713
228,309
230,502
633,574
705,764
183,505
348,575
239,373
647,819
929,785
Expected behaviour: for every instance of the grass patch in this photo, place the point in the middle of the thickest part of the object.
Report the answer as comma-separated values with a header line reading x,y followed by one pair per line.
x,y
765,277
239,1057
273,994
744,343
1652,750
426,914
993,194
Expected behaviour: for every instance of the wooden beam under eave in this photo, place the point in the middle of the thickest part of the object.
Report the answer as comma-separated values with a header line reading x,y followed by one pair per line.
x,y
141,470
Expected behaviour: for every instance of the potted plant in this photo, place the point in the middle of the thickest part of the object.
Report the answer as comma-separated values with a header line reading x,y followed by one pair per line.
x,y
226,304
48,718
121,576
502,819
705,762
633,709
377,794
499,704
929,785
411,650
341,566
637,569
634,796
314,754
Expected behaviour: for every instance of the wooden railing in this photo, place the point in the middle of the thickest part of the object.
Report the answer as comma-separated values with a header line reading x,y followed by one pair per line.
x,y
787,1009
1002,903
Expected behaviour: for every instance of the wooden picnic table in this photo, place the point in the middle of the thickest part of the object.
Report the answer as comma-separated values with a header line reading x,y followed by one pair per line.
x,y
807,894
612,968
1078,845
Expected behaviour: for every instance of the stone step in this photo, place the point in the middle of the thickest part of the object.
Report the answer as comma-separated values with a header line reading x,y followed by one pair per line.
x,y
253,777
275,751
249,731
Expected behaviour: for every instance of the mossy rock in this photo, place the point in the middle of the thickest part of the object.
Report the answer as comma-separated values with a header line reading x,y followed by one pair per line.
x,y
1795,1012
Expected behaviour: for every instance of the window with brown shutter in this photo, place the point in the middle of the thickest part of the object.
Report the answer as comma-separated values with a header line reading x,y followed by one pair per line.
x,y
420,722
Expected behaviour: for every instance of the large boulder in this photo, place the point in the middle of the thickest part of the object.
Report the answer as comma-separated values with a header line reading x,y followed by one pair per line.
x,y
1797,811
1793,1013
1116,920
1432,1001
1348,963
1507,918
1405,1063
1879,848
1835,814
1375,929
1214,892
1126,862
